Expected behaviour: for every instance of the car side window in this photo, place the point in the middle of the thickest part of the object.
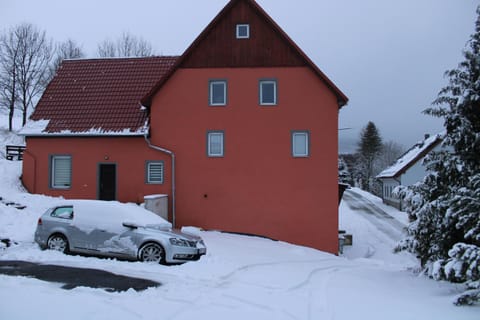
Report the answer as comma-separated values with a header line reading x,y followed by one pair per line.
x,y
63,213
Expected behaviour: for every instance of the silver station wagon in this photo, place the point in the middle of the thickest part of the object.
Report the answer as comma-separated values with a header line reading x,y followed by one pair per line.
x,y
113,229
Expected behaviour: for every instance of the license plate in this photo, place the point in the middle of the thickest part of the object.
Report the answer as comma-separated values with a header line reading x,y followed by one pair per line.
x,y
202,251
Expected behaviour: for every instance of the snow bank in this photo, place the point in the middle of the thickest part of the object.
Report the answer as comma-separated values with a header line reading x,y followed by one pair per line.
x,y
9,138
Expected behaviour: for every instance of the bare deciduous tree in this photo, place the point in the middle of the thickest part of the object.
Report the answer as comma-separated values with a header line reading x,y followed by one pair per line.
x,y
126,46
391,151
8,74
106,49
68,49
25,60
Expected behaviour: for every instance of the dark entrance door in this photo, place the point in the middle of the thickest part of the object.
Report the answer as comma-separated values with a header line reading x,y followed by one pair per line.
x,y
107,182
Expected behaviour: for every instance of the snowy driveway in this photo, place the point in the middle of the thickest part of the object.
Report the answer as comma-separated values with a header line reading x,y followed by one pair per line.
x,y
376,229
384,222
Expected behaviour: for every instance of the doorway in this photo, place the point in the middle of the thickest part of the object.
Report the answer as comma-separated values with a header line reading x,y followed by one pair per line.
x,y
107,182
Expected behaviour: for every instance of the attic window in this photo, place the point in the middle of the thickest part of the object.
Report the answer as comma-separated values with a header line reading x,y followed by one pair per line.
x,y
243,31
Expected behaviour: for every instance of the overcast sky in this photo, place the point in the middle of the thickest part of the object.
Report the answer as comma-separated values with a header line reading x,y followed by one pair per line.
x,y
387,56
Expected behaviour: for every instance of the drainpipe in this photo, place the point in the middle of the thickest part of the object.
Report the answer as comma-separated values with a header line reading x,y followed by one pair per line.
x,y
171,154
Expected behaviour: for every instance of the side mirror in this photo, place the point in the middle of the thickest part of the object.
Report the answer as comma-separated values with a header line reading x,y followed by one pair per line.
x,y
130,225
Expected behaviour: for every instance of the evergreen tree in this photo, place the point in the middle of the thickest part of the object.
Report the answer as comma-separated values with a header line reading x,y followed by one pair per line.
x,y
344,174
369,149
446,205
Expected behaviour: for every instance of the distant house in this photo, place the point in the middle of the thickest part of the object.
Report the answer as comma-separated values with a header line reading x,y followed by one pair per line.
x,y
408,169
240,132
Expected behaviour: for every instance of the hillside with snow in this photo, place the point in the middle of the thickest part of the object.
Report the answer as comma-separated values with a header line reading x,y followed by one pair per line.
x,y
239,278
9,138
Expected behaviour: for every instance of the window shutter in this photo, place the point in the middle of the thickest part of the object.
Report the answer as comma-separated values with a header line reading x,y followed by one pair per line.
x,y
62,172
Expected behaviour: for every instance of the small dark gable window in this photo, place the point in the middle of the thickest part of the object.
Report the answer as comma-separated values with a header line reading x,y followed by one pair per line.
x,y
243,31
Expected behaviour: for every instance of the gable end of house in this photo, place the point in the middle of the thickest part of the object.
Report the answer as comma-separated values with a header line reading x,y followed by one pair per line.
x,y
267,45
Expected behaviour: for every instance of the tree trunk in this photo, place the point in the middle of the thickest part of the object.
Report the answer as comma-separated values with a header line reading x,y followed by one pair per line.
x,y
24,117
12,103
25,107
10,119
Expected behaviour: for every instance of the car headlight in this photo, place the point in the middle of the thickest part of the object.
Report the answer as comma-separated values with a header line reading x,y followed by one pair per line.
x,y
179,242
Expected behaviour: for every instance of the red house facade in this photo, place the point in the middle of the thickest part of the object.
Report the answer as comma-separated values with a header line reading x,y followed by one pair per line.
x,y
240,132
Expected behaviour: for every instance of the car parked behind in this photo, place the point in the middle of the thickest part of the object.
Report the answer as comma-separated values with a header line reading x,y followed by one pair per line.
x,y
113,229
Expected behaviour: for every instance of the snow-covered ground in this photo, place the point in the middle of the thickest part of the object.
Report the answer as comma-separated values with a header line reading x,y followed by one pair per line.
x,y
393,212
6,137
239,278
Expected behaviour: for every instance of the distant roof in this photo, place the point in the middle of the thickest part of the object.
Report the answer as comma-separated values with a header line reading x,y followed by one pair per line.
x,y
97,97
409,158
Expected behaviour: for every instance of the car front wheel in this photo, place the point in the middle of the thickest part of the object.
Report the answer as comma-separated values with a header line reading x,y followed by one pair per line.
x,y
151,252
57,242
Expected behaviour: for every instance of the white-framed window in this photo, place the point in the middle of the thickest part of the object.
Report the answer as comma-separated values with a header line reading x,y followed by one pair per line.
x,y
268,92
300,144
154,172
215,144
60,172
217,93
243,31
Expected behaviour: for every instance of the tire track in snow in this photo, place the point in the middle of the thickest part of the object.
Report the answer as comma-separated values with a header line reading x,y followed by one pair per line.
x,y
318,282
314,272
248,302
311,304
249,267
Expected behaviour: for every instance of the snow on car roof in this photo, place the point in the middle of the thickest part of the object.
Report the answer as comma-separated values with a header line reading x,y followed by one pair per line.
x,y
110,215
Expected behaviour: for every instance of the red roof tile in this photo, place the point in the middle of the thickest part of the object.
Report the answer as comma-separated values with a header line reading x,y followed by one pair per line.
x,y
100,95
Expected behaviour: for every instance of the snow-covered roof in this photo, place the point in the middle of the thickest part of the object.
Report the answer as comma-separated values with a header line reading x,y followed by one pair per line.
x,y
98,97
39,128
409,158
